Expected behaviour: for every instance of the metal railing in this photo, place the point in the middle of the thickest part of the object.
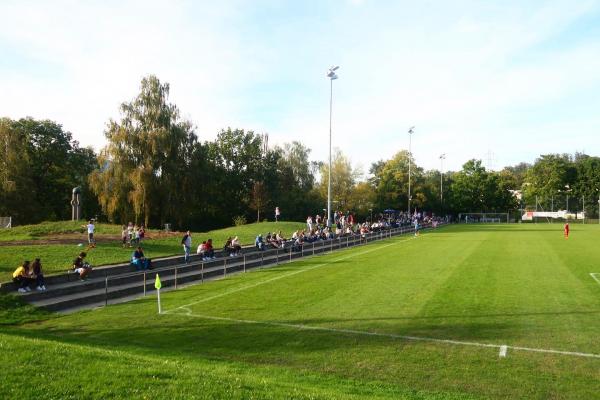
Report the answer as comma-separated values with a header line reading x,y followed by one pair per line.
x,y
174,276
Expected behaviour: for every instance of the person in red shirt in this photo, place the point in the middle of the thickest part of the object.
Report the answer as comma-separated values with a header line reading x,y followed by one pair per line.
x,y
567,230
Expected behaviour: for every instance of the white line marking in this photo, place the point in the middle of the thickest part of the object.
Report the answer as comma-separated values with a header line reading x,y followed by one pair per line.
x,y
596,278
286,275
503,350
389,335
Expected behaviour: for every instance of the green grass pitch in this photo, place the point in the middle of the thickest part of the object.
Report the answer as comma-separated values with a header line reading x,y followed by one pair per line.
x,y
404,318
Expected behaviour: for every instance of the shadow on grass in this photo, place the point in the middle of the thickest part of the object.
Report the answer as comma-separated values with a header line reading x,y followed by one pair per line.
x,y
181,335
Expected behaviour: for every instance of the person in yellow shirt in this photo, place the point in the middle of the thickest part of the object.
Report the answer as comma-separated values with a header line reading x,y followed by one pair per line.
x,y
22,277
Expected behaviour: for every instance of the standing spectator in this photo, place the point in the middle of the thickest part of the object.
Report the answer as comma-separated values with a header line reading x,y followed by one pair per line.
x,y
130,232
309,223
139,260
81,267
22,277
90,230
124,236
277,214
141,233
187,245
38,274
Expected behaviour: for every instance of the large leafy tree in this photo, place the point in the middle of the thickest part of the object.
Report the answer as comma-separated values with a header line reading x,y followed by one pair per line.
x,y
42,164
391,180
343,179
146,160
476,190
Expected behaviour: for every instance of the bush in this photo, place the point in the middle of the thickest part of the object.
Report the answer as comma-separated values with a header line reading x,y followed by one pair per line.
x,y
239,220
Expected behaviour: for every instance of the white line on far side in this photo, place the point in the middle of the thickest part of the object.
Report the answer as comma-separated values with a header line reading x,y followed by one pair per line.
x,y
188,312
596,276
286,275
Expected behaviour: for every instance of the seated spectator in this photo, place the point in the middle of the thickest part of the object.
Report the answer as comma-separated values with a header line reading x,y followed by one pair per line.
x,y
272,241
259,243
38,274
201,249
139,260
209,251
22,277
236,245
80,267
298,243
280,238
228,248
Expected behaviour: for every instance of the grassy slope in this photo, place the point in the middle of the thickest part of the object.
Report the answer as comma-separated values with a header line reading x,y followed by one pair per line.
x,y
515,285
41,230
58,257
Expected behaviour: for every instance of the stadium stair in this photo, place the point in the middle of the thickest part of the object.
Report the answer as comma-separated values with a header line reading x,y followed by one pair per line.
x,y
119,283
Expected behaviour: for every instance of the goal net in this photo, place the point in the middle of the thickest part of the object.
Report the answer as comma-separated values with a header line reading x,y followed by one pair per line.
x,y
474,218
5,222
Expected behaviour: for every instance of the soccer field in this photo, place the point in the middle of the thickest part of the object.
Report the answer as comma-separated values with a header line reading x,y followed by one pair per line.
x,y
475,311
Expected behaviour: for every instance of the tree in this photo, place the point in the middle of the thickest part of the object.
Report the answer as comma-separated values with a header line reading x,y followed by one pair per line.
x,y
148,156
550,175
343,179
392,182
476,190
259,198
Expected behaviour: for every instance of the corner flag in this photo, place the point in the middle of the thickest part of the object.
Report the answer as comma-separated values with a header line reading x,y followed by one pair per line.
x,y
158,285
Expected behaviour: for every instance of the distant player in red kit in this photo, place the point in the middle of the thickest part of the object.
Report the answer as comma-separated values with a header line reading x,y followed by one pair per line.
x,y
567,230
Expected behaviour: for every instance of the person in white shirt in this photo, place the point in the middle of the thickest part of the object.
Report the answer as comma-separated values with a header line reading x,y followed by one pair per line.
x,y
90,230
277,214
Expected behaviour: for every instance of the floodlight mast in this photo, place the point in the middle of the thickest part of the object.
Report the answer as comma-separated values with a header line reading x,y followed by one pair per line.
x,y
411,130
442,158
332,76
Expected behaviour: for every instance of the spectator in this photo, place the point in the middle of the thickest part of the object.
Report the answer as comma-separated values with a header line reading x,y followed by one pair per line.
x,y
277,214
141,233
209,251
280,239
228,248
187,245
259,243
124,236
22,277
81,267
139,260
135,239
90,230
272,241
237,246
201,249
130,232
38,274
309,223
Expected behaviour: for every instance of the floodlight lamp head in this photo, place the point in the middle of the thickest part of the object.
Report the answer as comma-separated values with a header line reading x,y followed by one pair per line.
x,y
334,68
332,75
411,130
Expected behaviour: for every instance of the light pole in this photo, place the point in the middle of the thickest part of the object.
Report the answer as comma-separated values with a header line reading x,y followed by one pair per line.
x,y
442,158
410,132
332,76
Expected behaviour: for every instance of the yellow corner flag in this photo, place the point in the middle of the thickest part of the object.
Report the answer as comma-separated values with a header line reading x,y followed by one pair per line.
x,y
158,285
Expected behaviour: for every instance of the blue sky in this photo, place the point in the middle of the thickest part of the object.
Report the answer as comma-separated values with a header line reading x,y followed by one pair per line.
x,y
512,78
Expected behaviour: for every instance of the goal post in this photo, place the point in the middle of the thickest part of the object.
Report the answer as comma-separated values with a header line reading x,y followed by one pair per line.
x,y
476,218
5,222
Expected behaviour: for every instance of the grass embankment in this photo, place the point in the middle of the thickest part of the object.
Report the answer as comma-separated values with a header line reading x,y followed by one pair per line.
x,y
278,332
54,229
58,257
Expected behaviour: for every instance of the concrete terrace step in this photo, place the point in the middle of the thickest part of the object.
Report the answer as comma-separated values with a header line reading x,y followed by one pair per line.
x,y
117,283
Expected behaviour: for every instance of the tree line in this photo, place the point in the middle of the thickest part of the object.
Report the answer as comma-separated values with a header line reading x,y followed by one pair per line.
x,y
154,170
